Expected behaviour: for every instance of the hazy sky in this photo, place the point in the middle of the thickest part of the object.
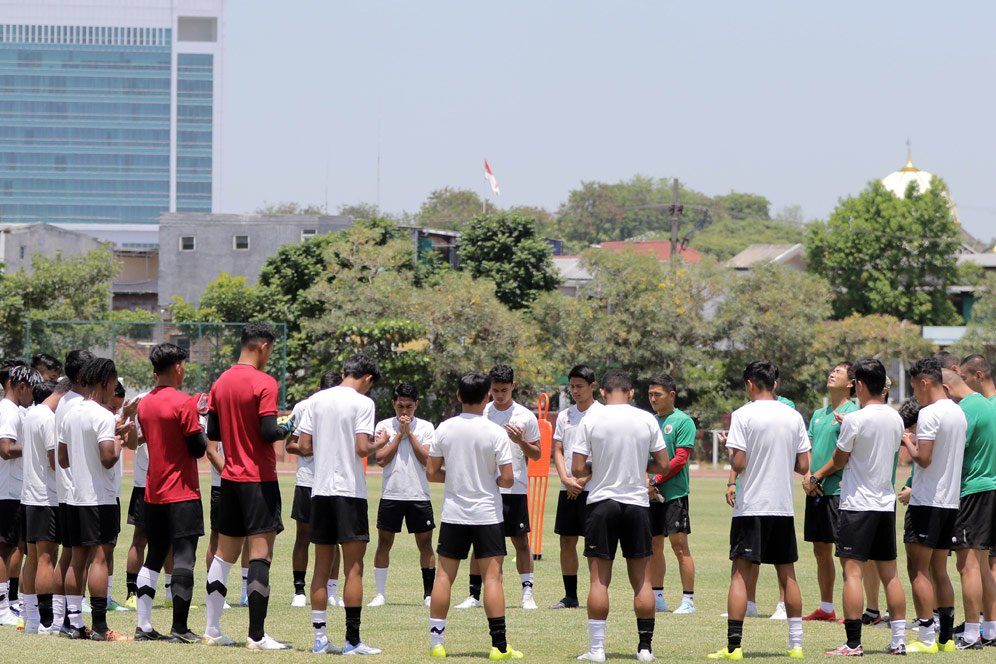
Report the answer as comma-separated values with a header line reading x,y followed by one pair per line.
x,y
801,102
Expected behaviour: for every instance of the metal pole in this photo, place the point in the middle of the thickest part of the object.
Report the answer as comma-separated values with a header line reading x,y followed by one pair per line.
x,y
715,449
200,358
675,215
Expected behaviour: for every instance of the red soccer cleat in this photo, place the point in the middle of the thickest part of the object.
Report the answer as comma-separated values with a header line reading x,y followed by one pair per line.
x,y
820,614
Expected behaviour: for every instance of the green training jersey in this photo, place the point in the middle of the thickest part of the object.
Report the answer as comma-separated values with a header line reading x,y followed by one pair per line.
x,y
978,470
823,433
787,402
679,431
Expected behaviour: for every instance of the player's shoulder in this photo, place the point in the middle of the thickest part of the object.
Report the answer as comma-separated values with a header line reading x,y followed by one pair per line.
x,y
422,425
387,423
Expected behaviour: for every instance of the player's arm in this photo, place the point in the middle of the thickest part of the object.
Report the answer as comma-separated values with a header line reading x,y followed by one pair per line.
x,y
197,444
366,445
214,457
530,448
505,478
63,455
731,488
922,451
10,449
304,444
580,466
127,433
434,470
389,446
419,449
270,430
51,459
291,446
659,462
110,452
802,462
213,426
738,461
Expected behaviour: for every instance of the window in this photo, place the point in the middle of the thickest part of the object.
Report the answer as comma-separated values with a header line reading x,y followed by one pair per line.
x,y
308,233
240,242
197,29
24,251
186,243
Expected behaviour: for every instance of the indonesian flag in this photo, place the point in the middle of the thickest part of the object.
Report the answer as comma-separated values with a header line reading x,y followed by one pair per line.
x,y
490,177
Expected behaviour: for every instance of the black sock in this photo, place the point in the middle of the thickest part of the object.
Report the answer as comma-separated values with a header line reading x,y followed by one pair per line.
x,y
497,628
853,630
298,582
475,586
689,593
259,596
131,581
352,625
645,630
183,592
946,614
45,609
872,612
571,586
98,615
12,588
428,580
734,634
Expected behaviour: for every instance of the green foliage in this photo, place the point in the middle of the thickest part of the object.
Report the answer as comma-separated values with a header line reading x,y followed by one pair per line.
x,y
980,332
726,237
882,254
449,208
505,248
289,207
744,206
361,211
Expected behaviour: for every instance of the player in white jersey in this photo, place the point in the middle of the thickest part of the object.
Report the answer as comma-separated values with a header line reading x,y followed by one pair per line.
x,y
767,442
573,495
338,430
404,496
933,510
472,457
523,432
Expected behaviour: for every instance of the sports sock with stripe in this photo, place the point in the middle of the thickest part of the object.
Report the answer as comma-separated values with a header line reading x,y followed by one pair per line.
x,y
145,597
217,578
259,596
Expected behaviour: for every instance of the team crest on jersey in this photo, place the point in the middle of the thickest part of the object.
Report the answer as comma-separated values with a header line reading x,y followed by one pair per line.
x,y
668,429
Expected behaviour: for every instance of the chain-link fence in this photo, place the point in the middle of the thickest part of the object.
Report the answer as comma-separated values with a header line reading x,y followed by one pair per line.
x,y
213,347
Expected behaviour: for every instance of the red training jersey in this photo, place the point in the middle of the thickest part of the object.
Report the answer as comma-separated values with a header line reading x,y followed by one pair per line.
x,y
167,417
239,397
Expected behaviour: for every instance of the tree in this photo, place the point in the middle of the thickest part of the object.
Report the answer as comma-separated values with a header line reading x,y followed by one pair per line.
x,y
886,255
744,206
449,208
289,207
980,332
361,211
726,237
504,248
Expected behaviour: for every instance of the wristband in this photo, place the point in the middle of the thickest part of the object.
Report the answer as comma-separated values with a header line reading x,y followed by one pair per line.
x,y
731,484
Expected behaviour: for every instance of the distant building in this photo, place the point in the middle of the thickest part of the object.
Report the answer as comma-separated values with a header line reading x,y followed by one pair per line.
x,y
573,276
19,242
789,255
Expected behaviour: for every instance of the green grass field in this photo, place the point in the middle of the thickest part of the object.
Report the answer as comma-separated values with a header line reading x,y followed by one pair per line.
x,y
401,627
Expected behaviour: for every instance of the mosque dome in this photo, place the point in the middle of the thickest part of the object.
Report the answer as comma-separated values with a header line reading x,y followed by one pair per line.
x,y
898,181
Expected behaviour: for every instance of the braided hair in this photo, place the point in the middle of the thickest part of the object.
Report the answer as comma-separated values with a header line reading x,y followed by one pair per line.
x,y
97,372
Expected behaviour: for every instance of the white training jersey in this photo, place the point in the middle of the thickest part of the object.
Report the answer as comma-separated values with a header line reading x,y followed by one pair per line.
x,y
771,434
404,476
83,429
520,416
140,465
619,439
64,476
11,470
939,484
38,430
305,475
333,419
472,448
566,431
872,437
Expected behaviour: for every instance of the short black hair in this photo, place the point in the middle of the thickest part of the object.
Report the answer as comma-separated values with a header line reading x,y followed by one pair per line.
x,y
42,391
664,380
909,410
164,356
119,390
330,379
405,390
582,371
946,359
762,373
849,367
473,387
63,385
45,361
617,379
871,372
75,361
7,366
360,365
22,374
501,373
975,363
928,367
97,371
256,333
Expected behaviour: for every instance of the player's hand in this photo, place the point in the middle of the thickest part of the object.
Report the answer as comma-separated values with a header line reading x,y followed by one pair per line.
x,y
574,488
838,417
382,438
404,424
904,495
515,433
909,439
722,437
124,427
130,407
655,495
731,495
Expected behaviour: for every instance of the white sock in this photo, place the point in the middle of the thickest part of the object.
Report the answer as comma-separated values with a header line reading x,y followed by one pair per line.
x,y
58,610
989,629
596,634
74,609
898,632
659,594
437,631
688,597
526,578
826,607
31,609
333,589
380,576
795,633
146,596
971,633
4,600
110,585
927,633
168,585
318,623
217,574
245,581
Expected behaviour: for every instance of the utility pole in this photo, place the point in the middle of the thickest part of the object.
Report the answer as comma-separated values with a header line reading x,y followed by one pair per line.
x,y
676,211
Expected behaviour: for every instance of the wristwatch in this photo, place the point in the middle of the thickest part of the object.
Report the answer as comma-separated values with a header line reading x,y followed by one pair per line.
x,y
813,479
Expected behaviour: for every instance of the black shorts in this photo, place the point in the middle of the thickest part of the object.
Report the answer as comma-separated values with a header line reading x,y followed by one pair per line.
x,y
170,521
65,518
610,524
337,519
215,507
670,517
570,514
417,515
768,540
301,507
820,523
91,525
975,527
11,526
933,527
41,523
249,508
515,511
866,535
135,506
456,539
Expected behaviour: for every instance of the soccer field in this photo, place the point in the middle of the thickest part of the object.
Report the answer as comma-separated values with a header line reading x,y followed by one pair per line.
x,y
401,627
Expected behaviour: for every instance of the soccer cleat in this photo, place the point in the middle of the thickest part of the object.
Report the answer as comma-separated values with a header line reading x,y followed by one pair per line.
x,y
920,647
796,653
947,646
896,649
428,600
77,633
566,603
820,614
686,607
48,631
645,656
737,654
360,649
592,656
339,602
114,606
299,601
8,619
844,651
660,604
510,653
219,640
266,643
110,635
132,602
183,637
962,644
437,650
243,601
151,635
751,611
378,600
226,605
779,612
527,599
469,603
323,646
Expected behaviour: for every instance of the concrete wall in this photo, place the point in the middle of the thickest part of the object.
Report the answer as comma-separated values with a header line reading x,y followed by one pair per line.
x,y
18,242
